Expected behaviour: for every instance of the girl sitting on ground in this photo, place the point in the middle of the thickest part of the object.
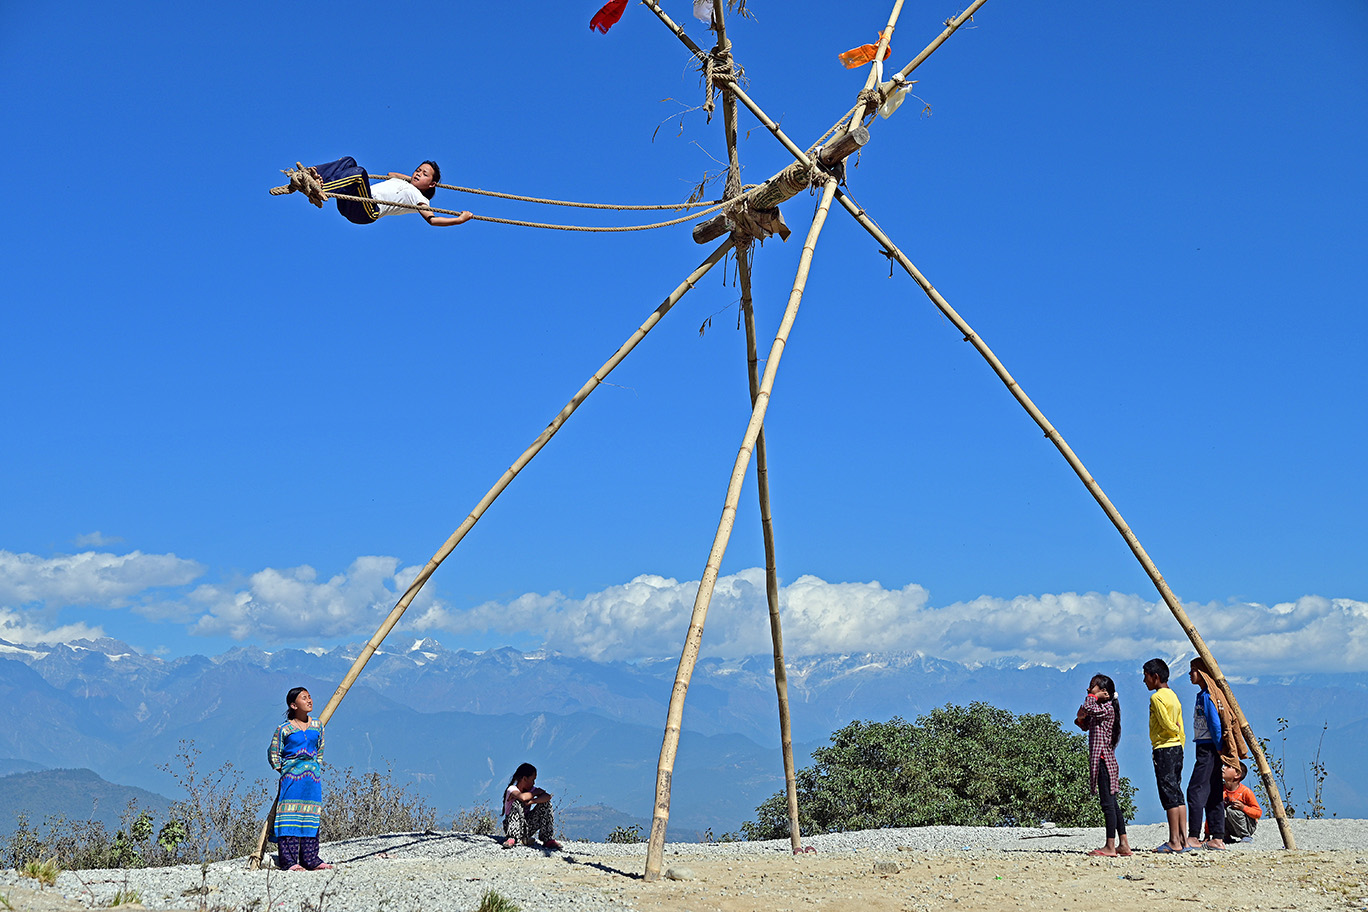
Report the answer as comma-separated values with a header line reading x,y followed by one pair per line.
x,y
527,810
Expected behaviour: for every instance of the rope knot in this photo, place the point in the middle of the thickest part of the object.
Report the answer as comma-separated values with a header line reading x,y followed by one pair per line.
x,y
303,180
716,68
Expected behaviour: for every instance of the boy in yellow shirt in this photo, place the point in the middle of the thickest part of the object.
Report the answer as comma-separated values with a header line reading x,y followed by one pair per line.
x,y
1167,737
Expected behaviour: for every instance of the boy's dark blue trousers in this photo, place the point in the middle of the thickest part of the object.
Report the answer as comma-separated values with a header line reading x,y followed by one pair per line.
x,y
346,176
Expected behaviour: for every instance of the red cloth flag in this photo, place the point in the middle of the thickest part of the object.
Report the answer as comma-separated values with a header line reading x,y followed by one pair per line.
x,y
607,17
856,57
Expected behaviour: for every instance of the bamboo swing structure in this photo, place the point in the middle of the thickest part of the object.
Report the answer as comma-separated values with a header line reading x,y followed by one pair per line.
x,y
821,166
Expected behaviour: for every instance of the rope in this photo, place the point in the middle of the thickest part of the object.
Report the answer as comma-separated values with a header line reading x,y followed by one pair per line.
x,y
549,202
489,218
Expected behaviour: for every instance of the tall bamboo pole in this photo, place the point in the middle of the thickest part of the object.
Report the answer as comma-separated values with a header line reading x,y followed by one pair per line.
x,y
743,264
885,38
504,481
771,566
1152,571
655,849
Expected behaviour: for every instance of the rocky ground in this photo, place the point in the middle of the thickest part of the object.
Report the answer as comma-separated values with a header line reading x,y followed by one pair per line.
x,y
883,871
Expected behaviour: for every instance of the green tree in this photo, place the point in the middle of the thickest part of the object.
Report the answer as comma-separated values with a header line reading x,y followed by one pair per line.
x,y
956,766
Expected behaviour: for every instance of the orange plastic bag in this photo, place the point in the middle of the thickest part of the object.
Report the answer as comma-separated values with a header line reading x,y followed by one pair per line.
x,y
858,57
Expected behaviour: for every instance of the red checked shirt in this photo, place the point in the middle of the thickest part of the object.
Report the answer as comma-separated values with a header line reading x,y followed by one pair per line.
x,y
1101,719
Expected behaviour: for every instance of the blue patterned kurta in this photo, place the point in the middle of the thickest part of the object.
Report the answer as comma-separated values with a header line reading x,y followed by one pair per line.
x,y
294,753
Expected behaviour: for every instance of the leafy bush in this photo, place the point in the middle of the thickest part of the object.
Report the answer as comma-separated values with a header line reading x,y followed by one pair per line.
x,y
81,844
965,766
625,834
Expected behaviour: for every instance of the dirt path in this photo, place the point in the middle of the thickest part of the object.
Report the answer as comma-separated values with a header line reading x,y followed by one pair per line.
x,y
1000,882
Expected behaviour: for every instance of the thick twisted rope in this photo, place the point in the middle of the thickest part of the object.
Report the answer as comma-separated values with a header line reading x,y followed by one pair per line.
x,y
552,202
500,221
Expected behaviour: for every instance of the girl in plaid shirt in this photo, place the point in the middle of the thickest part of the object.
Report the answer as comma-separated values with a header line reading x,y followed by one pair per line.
x,y
1100,717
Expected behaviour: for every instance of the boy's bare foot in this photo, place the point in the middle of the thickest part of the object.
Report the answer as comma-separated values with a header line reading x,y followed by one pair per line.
x,y
1215,844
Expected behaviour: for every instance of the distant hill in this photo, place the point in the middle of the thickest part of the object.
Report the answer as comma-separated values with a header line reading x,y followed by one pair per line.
x,y
10,765
76,794
455,723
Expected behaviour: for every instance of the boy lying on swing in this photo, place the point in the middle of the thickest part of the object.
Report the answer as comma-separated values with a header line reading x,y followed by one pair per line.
x,y
346,176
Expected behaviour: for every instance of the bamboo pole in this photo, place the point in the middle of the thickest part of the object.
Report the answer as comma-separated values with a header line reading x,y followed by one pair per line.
x,y
743,264
745,99
504,481
771,567
861,108
951,27
1152,571
655,849
885,38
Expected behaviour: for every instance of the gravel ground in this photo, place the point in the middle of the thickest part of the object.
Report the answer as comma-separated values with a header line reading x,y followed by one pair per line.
x,y
408,872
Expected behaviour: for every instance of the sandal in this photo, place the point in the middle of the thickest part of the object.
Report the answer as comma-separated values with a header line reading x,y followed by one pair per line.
x,y
551,844
509,843
1102,853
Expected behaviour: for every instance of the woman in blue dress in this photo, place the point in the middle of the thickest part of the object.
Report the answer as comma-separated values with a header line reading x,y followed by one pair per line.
x,y
295,751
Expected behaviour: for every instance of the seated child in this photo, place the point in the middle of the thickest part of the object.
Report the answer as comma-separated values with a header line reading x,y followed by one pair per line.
x,y
1242,811
527,810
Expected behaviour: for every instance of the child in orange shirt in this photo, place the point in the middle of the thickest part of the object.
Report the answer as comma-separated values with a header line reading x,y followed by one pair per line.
x,y
1242,810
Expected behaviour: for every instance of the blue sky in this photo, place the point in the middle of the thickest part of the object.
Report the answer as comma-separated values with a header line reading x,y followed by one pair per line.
x,y
232,418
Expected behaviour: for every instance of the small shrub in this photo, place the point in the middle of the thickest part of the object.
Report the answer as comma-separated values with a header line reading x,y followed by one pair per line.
x,y
623,835
23,844
370,804
709,838
496,902
169,838
45,872
220,816
478,820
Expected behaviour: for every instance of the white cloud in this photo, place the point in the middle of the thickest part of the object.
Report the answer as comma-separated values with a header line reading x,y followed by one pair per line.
x,y
96,539
649,616
21,630
89,578
276,605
